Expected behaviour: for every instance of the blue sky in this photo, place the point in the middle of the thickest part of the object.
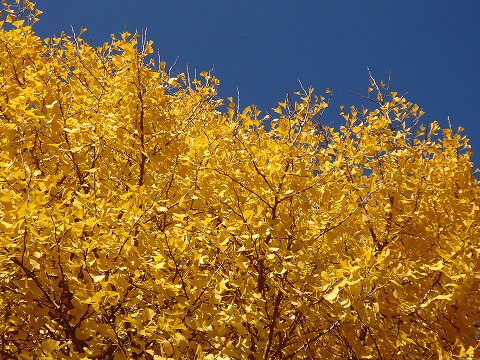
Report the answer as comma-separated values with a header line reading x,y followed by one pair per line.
x,y
431,47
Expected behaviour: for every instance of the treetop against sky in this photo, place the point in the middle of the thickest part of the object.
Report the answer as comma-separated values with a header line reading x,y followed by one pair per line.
x,y
143,217
265,47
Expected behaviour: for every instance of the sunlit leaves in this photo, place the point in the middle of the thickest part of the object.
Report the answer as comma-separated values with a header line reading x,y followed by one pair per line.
x,y
140,220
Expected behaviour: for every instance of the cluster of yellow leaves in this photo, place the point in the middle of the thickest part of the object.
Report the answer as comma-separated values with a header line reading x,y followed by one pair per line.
x,y
138,221
18,11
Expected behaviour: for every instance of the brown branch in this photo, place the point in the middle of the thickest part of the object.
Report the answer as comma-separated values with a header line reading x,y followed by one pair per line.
x,y
318,336
271,327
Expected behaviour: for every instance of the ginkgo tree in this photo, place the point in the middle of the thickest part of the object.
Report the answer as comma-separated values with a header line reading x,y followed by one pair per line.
x,y
139,220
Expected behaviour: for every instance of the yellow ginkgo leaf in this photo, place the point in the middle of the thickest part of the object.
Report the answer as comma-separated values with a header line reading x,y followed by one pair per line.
x,y
332,295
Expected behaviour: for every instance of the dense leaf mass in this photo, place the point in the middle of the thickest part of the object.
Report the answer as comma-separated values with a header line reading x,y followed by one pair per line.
x,y
139,220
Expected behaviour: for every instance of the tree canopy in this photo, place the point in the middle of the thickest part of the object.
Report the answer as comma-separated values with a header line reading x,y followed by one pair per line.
x,y
143,217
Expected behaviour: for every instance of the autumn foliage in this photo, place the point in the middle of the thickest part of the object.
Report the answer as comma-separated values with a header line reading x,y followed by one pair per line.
x,y
140,220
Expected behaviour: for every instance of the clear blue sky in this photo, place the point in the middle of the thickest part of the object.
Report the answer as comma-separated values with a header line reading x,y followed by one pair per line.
x,y
264,47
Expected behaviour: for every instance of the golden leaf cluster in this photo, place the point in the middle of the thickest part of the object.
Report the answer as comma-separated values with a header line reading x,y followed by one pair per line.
x,y
140,220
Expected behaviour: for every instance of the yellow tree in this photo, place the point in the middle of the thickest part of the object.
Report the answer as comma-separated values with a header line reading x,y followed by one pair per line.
x,y
139,221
